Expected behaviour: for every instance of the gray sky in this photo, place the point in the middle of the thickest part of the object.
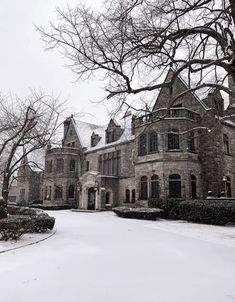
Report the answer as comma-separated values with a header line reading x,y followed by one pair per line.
x,y
25,65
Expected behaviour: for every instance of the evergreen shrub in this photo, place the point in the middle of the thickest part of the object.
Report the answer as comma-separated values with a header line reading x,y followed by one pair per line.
x,y
138,213
216,211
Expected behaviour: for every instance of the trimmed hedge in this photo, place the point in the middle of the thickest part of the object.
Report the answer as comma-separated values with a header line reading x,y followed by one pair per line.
x,y
42,223
14,227
170,208
24,220
138,213
217,212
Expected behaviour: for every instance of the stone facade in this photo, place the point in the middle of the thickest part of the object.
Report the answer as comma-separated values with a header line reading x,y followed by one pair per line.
x,y
181,150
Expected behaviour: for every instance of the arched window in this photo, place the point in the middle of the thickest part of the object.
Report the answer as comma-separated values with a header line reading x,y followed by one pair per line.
x,y
127,195
193,187
144,187
153,141
173,139
58,192
143,144
174,186
154,187
191,141
226,144
71,192
133,196
72,165
228,187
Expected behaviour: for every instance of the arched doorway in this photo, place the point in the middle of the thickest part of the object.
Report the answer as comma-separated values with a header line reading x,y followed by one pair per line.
x,y
91,199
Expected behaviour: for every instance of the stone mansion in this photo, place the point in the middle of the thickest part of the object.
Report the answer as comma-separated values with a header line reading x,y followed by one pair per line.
x,y
182,152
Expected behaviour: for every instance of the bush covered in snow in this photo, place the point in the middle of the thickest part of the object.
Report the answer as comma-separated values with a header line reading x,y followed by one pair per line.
x,y
24,220
217,212
138,213
42,223
170,208
14,226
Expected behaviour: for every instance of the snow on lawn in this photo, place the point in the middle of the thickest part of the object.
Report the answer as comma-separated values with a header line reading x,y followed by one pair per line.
x,y
98,257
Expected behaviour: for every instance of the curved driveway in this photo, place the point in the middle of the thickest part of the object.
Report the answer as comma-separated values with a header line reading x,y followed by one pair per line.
x,y
98,257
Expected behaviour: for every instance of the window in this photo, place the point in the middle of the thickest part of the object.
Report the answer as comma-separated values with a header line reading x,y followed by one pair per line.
x,y
193,187
72,165
87,165
58,192
110,163
133,196
191,141
228,187
153,142
22,194
60,165
144,187
107,198
174,186
71,192
226,144
143,144
47,194
154,187
128,195
173,139
110,136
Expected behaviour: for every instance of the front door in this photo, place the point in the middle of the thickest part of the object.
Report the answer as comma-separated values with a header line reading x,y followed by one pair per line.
x,y
91,199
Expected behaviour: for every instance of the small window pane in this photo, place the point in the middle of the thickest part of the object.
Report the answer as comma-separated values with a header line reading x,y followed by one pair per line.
x,y
173,139
143,144
153,142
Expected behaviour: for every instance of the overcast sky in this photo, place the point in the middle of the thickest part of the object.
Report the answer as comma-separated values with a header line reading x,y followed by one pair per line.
x,y
25,65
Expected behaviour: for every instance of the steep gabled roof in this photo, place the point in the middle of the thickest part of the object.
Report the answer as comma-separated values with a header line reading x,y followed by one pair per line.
x,y
84,132
184,86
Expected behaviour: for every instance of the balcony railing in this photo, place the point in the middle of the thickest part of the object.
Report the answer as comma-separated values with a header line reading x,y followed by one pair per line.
x,y
64,150
164,113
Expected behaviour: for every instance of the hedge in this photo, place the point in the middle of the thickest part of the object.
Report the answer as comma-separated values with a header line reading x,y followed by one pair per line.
x,y
217,212
14,227
138,213
24,220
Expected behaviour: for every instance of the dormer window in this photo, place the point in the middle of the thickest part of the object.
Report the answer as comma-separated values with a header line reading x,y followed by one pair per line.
x,y
113,132
110,136
95,138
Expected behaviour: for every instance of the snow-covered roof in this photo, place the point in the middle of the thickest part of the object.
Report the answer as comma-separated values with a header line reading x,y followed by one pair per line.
x,y
84,132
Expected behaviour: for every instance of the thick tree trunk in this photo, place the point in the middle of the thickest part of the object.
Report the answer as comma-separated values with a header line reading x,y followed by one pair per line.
x,y
4,198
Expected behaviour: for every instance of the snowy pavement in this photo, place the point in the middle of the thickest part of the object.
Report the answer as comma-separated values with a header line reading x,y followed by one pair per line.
x,y
98,257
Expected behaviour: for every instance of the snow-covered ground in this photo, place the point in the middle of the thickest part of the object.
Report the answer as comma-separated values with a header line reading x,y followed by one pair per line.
x,y
98,257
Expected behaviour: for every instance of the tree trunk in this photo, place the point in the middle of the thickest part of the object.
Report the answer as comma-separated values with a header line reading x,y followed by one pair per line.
x,y
4,198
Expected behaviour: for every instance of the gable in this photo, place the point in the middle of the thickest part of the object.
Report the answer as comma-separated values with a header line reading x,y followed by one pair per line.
x,y
188,100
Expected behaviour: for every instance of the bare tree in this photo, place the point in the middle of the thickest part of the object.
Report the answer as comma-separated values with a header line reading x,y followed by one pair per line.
x,y
25,127
132,42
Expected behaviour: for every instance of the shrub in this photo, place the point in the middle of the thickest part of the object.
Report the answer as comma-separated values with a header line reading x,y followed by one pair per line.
x,y
24,220
42,223
17,210
138,213
14,227
170,207
217,212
